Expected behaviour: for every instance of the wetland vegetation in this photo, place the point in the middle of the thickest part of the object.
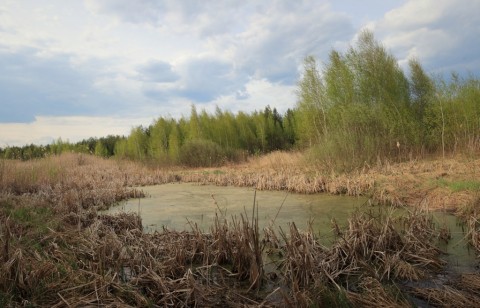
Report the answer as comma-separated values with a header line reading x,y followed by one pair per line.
x,y
59,249
361,127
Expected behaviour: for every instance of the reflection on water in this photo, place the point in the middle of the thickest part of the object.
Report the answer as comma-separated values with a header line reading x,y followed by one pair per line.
x,y
458,255
176,205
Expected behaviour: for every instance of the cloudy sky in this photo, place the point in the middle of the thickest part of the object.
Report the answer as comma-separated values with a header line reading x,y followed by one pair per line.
x,y
75,69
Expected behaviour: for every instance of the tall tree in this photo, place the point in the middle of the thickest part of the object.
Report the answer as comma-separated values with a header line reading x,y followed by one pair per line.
x,y
194,128
311,104
174,143
421,87
339,80
158,141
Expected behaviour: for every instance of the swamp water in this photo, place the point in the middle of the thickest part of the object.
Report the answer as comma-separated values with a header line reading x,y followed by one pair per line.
x,y
179,205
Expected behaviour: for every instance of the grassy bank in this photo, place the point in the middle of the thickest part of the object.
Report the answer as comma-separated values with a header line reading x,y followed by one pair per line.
x,y
56,250
449,184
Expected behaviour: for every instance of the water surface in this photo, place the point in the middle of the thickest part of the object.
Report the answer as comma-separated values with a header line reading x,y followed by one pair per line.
x,y
178,205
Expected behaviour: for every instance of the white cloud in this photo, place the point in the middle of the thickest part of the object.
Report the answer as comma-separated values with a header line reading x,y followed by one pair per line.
x,y
279,35
44,130
122,58
256,96
442,34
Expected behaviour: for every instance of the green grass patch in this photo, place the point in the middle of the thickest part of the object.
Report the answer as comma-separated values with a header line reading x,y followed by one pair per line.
x,y
33,216
34,220
457,186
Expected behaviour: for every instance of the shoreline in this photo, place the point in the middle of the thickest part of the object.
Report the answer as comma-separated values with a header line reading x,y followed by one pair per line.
x,y
55,242
450,185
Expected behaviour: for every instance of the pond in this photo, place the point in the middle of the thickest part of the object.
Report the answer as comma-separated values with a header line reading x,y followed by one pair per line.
x,y
179,205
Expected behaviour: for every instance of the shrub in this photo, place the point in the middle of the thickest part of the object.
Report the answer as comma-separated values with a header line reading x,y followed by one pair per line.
x,y
201,153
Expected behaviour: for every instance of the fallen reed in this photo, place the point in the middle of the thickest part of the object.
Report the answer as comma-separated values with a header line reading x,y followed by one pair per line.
x,y
464,291
56,250
110,261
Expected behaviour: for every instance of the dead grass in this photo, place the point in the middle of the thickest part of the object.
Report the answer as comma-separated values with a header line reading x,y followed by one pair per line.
x,y
461,292
372,293
75,182
111,262
414,183
57,251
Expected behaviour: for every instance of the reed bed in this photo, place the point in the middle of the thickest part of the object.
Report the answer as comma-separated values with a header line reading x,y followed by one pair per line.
x,y
413,183
75,182
371,251
470,216
464,291
291,180
56,250
111,262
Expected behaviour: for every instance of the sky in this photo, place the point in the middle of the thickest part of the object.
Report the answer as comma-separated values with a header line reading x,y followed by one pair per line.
x,y
90,68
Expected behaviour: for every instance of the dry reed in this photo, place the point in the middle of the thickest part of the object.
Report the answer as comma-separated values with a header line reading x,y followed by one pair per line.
x,y
56,250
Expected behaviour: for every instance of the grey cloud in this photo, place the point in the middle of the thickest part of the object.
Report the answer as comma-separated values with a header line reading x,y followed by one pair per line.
x,y
157,71
205,18
443,35
202,80
138,11
207,78
268,39
31,85
278,41
155,94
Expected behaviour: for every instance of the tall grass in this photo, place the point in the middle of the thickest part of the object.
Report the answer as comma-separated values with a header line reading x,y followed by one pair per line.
x,y
57,250
110,261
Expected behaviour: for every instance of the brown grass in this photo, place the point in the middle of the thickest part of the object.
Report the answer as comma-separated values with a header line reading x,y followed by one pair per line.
x,y
56,250
372,293
413,183
461,292
74,181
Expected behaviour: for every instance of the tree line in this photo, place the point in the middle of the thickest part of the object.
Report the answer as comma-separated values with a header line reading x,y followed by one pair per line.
x,y
361,107
103,146
202,139
357,108
205,139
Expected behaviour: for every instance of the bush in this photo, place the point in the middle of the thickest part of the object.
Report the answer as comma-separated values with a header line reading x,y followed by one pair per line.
x,y
201,153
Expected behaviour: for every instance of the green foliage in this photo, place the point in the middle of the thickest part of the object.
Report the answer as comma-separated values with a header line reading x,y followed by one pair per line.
x,y
363,107
209,139
100,149
421,87
312,105
453,118
201,153
159,140
136,146
24,153
174,143
104,146
358,109
377,78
